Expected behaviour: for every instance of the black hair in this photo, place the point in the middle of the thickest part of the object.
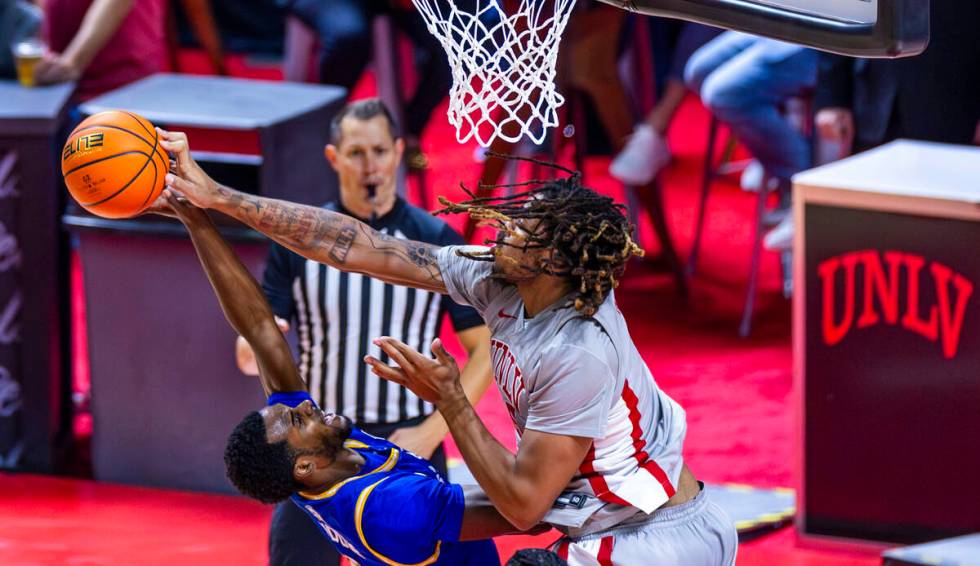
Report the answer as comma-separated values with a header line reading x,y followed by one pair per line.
x,y
363,110
590,234
258,468
535,557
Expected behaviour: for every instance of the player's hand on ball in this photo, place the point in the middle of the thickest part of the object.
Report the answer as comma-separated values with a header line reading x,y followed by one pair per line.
x,y
184,208
161,207
175,205
433,380
186,175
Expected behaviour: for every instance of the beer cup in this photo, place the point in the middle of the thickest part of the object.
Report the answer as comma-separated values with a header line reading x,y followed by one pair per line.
x,y
27,54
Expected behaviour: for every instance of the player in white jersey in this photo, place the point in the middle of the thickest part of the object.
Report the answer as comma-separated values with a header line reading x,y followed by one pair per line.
x,y
600,444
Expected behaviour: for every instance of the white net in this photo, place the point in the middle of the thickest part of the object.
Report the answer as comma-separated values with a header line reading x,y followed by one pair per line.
x,y
503,63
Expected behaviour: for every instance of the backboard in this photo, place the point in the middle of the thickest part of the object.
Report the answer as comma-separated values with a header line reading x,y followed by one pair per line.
x,y
860,28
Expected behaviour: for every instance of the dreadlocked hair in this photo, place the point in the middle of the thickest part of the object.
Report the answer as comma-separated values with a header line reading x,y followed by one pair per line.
x,y
589,233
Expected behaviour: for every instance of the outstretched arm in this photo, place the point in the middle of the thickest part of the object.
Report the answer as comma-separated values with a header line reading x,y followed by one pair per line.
x,y
321,235
241,298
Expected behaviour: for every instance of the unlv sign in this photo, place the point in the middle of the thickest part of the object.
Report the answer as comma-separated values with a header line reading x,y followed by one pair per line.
x,y
887,345
880,301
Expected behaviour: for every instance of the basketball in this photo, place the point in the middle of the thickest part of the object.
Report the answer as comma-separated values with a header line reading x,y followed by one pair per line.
x,y
113,164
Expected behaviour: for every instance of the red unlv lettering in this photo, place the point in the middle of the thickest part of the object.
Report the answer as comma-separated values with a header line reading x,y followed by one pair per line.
x,y
507,375
943,321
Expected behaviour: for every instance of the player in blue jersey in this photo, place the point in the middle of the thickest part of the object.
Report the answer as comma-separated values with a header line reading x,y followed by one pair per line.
x,y
380,505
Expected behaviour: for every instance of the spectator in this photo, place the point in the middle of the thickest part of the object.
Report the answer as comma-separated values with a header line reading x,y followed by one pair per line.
x,y
102,44
647,152
743,80
338,314
344,31
935,96
18,20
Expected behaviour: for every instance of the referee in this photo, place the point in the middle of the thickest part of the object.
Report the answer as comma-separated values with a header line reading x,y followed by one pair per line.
x,y
337,314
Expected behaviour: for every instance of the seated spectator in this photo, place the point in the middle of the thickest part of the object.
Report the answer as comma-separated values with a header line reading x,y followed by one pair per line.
x,y
647,152
102,44
344,31
18,20
935,96
743,80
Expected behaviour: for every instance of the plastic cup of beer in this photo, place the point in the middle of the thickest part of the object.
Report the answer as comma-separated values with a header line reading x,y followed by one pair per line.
x,y
27,54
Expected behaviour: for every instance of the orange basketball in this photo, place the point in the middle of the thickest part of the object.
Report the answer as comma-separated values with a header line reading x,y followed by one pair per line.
x,y
113,164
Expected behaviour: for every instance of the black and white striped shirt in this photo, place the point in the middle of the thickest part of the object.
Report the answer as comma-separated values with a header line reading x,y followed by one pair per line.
x,y
337,314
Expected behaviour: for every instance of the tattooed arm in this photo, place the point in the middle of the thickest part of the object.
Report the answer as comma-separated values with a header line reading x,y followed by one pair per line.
x,y
241,299
336,239
321,235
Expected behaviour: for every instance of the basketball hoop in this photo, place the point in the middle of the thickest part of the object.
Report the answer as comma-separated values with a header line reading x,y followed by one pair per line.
x,y
504,74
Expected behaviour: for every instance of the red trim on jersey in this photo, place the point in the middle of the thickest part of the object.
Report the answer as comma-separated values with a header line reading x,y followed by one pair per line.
x,y
501,367
510,411
642,458
516,386
518,381
605,552
597,482
563,549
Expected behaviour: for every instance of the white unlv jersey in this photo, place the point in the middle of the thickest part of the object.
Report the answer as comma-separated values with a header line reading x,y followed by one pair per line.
x,y
562,373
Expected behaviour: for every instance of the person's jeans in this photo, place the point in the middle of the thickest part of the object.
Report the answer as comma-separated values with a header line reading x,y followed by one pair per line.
x,y
344,30
742,80
673,42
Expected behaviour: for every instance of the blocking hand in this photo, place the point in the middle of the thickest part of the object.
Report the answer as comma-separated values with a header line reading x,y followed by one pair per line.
x,y
433,380
175,205
186,176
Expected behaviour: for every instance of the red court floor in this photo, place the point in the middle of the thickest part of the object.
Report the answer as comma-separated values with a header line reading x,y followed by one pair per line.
x,y
46,521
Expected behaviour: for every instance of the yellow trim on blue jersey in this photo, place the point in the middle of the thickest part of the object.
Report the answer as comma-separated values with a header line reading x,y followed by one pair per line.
x,y
389,464
358,515
354,444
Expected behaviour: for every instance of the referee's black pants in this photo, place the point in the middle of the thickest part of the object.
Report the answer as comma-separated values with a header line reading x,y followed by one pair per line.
x,y
295,540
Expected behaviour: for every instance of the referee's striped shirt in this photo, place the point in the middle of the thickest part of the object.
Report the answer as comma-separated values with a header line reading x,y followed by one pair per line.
x,y
337,314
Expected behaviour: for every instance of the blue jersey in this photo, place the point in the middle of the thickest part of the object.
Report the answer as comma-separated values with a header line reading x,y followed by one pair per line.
x,y
397,510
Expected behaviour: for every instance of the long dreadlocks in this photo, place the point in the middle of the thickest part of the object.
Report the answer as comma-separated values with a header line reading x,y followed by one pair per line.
x,y
588,232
